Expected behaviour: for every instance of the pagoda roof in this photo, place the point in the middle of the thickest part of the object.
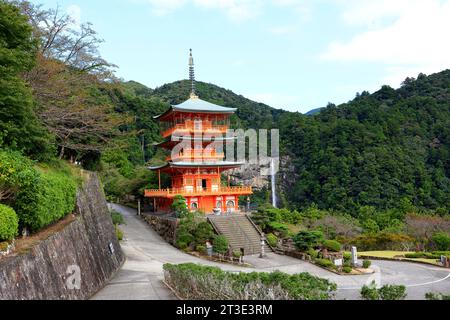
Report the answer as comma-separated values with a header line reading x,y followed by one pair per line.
x,y
195,104
188,164
176,139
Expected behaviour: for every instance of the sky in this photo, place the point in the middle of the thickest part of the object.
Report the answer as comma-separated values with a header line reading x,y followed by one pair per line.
x,y
295,55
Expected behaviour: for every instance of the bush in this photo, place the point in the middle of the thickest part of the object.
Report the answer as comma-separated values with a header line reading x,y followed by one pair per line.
x,y
9,223
305,240
220,244
184,239
386,292
441,253
347,256
366,264
203,233
278,228
200,248
436,296
422,255
392,292
16,173
441,240
237,253
119,233
117,217
325,263
196,282
48,199
347,269
332,245
313,253
272,240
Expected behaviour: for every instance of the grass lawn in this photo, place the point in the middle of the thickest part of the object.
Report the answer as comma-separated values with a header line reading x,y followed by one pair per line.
x,y
395,254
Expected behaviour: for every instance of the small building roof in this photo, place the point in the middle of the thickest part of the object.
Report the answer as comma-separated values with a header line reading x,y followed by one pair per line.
x,y
195,104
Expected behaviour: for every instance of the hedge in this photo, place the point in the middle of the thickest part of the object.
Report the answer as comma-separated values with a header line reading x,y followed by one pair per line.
x,y
39,198
195,282
50,198
9,223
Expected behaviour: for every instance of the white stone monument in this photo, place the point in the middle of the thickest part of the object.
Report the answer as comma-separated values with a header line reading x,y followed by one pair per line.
x,y
354,256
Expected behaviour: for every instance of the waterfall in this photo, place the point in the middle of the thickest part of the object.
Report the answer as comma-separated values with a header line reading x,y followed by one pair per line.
x,y
272,175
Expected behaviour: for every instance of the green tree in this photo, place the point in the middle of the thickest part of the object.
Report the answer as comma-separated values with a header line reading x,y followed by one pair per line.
x,y
441,240
220,244
304,240
179,206
19,127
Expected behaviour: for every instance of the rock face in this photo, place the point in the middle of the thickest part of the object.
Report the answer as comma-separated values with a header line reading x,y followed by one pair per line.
x,y
72,264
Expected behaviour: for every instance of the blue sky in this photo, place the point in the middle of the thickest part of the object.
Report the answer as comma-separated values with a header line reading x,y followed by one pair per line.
x,y
291,54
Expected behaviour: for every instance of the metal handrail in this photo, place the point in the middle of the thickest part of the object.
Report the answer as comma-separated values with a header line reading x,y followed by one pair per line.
x,y
249,242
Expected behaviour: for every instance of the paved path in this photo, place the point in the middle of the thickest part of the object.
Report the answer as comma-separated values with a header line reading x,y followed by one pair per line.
x,y
146,252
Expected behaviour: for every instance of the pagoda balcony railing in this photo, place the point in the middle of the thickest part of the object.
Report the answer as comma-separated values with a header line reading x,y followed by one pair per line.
x,y
172,192
197,155
191,127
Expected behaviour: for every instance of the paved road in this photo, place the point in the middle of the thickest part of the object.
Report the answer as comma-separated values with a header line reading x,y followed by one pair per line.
x,y
146,252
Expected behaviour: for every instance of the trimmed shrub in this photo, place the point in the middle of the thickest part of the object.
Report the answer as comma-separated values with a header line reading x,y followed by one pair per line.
x,y
442,253
200,249
9,223
422,255
184,239
366,264
203,232
272,240
370,292
50,198
386,292
332,245
347,269
392,292
237,254
220,244
304,240
196,282
437,296
117,217
325,263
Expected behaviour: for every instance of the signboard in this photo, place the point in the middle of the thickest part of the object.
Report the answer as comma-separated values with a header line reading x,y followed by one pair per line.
x,y
338,262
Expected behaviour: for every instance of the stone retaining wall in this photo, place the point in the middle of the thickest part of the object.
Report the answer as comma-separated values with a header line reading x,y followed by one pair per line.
x,y
72,264
165,226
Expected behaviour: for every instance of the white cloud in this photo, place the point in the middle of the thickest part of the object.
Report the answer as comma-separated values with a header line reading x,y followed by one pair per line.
x,y
74,12
405,35
163,7
236,10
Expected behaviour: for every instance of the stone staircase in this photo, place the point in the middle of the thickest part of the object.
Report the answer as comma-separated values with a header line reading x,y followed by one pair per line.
x,y
240,233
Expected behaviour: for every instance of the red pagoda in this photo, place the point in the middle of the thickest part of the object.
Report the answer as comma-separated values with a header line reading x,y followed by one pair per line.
x,y
195,131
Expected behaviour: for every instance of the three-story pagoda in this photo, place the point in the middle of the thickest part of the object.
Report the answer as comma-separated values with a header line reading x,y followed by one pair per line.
x,y
195,131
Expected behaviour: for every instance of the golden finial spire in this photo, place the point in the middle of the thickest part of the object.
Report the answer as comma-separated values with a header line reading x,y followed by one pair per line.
x,y
192,75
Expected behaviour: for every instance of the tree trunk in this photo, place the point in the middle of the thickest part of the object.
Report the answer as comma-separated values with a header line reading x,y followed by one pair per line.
x,y
61,153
